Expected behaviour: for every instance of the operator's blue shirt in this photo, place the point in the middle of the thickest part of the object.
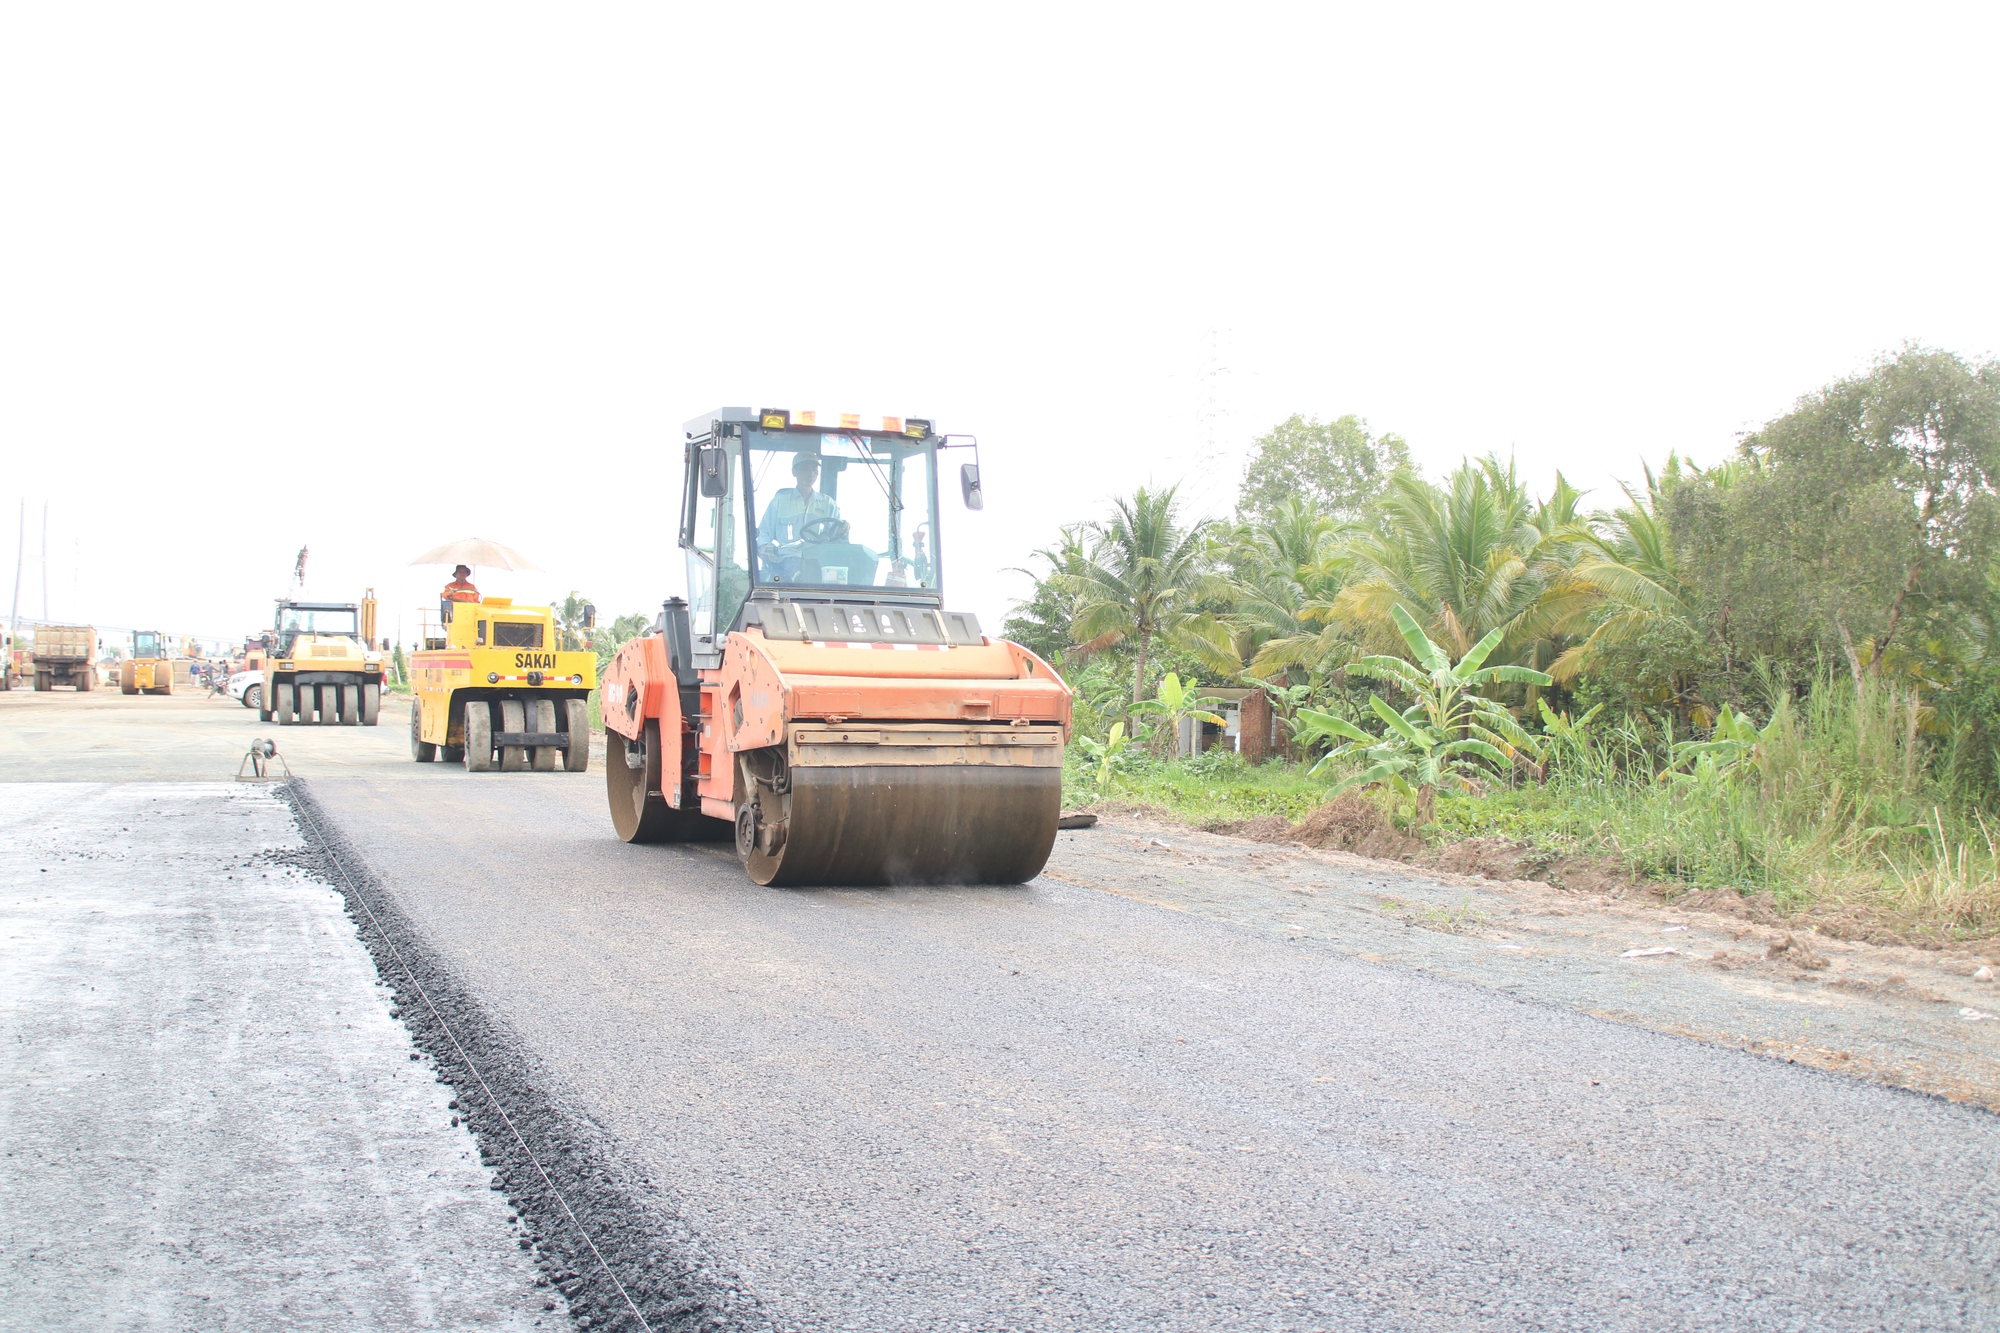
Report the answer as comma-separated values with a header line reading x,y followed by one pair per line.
x,y
786,514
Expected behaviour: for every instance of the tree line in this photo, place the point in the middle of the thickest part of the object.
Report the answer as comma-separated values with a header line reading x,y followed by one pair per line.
x,y
1855,537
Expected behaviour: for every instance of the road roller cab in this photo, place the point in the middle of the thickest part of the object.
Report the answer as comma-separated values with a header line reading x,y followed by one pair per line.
x,y
324,665
496,689
813,699
149,670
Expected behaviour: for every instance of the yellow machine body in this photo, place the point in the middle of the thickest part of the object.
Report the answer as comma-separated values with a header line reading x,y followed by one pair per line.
x,y
148,670
494,689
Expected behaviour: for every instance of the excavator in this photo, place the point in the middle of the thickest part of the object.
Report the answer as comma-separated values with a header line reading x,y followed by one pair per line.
x,y
812,699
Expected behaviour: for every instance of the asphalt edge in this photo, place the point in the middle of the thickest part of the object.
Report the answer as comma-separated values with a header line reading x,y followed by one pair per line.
x,y
659,1262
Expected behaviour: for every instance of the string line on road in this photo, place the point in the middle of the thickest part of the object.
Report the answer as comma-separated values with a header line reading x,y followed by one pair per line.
x,y
327,848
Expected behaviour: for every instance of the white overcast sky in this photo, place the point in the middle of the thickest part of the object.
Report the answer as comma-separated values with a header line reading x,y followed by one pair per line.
x,y
370,277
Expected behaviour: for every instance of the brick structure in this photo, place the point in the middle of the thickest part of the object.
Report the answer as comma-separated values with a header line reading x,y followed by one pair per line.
x,y
1255,727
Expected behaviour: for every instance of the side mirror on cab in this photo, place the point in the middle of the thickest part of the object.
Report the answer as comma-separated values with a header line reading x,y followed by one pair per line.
x,y
968,486
713,464
589,616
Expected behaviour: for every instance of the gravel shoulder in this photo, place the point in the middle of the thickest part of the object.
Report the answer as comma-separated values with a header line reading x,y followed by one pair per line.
x,y
1908,1017
210,1118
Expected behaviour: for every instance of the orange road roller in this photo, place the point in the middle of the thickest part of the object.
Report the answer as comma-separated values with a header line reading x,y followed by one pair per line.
x,y
812,699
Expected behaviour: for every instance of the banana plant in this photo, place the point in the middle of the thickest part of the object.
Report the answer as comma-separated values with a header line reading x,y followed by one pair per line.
x,y
1108,753
1568,738
1441,739
1729,752
1173,701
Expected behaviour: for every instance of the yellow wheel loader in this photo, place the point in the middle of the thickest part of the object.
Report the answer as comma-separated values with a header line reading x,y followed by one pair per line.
x,y
324,665
495,689
148,670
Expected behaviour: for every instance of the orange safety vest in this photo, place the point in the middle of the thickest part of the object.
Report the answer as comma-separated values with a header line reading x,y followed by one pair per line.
x,y
458,590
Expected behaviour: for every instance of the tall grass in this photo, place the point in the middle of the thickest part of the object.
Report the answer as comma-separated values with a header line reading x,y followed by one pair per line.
x,y
1836,803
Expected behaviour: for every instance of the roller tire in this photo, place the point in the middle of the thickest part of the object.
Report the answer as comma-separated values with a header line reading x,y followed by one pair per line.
x,y
914,824
513,717
371,703
287,705
542,717
478,750
639,816
421,750
576,759
350,705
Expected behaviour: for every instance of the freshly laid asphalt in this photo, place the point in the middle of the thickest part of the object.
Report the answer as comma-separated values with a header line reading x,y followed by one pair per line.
x,y
1048,1107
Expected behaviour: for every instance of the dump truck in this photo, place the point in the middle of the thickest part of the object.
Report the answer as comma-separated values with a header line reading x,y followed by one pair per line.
x,y
149,670
65,655
812,699
496,689
324,665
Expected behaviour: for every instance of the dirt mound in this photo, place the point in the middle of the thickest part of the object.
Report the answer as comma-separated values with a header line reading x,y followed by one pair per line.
x,y
1353,823
1264,828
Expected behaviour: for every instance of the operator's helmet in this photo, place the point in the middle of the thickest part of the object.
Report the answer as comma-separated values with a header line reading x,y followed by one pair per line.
x,y
803,463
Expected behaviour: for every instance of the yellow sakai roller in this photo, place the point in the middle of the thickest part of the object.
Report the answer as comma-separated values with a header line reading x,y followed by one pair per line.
x,y
493,689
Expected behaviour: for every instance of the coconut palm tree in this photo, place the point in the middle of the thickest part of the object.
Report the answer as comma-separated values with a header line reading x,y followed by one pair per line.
x,y
1463,559
1042,622
1146,578
1288,568
1624,581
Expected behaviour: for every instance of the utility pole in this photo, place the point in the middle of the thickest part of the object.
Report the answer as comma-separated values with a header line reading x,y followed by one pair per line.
x,y
14,617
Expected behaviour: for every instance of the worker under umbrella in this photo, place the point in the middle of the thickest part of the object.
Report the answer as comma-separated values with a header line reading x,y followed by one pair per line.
x,y
460,588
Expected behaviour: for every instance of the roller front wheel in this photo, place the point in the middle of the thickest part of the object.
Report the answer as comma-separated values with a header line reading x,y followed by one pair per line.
x,y
577,757
478,736
542,717
513,717
421,750
371,703
287,703
639,809
921,824
350,705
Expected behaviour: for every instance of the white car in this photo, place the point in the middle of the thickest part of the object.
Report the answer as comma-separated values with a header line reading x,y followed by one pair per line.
x,y
249,687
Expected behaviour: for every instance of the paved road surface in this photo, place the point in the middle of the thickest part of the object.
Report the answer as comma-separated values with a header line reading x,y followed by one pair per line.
x,y
1052,1108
